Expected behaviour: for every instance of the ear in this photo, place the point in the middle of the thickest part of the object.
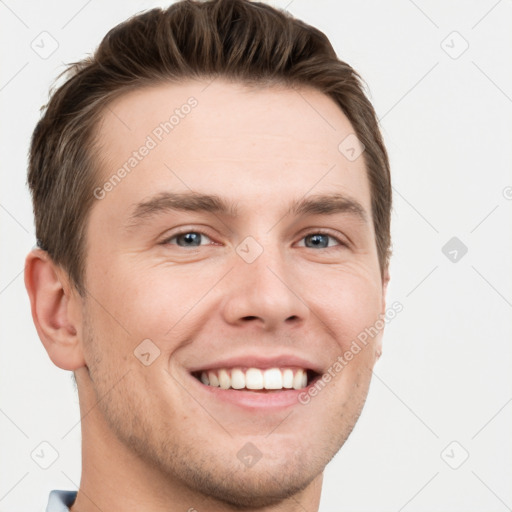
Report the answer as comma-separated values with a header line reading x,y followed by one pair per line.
x,y
385,281
56,310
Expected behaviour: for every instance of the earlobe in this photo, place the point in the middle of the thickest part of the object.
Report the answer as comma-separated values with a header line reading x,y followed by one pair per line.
x,y
55,312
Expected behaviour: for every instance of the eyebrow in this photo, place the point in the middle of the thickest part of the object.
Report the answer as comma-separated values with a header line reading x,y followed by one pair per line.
x,y
329,204
324,204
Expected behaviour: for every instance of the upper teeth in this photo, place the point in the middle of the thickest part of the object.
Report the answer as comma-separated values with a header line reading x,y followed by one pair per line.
x,y
254,378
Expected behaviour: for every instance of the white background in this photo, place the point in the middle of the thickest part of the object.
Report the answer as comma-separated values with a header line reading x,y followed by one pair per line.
x,y
445,374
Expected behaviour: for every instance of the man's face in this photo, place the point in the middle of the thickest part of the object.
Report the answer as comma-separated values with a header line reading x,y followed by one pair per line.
x,y
264,284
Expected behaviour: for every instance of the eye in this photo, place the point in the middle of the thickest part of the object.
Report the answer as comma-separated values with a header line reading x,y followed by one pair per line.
x,y
187,239
321,241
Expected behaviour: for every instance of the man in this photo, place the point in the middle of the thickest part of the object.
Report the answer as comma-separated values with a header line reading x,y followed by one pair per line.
x,y
212,200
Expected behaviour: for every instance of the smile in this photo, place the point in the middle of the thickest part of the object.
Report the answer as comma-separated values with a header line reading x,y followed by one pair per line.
x,y
254,379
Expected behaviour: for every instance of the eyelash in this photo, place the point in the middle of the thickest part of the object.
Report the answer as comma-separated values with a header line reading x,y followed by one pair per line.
x,y
317,232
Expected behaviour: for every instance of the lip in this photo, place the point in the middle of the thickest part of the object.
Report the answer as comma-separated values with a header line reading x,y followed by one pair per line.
x,y
252,400
255,400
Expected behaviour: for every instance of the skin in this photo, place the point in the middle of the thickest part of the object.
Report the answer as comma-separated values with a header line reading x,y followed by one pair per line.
x,y
150,440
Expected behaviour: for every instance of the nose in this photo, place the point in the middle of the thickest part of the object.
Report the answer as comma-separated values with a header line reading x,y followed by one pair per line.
x,y
264,293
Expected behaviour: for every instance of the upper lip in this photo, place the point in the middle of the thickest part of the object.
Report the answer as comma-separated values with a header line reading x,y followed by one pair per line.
x,y
259,361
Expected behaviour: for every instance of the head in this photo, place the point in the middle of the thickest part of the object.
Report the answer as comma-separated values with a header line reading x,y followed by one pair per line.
x,y
211,188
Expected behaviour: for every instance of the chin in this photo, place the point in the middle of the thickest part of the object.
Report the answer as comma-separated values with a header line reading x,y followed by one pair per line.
x,y
254,487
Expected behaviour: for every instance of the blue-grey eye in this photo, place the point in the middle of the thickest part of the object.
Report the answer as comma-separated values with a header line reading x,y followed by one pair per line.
x,y
320,241
317,240
189,239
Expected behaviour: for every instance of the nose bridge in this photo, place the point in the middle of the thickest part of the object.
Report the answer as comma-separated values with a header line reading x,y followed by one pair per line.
x,y
261,287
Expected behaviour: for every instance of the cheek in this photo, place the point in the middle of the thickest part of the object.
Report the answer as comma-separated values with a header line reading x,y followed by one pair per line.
x,y
143,302
348,306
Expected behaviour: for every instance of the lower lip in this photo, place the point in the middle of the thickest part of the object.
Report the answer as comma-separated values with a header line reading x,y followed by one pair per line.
x,y
254,399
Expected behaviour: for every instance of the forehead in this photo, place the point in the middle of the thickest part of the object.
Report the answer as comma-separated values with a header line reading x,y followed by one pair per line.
x,y
229,139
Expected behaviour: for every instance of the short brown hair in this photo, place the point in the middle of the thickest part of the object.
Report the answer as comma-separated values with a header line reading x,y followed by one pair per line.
x,y
249,42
